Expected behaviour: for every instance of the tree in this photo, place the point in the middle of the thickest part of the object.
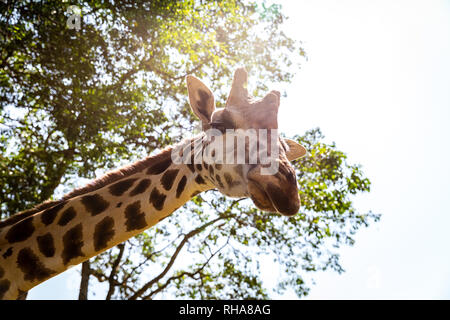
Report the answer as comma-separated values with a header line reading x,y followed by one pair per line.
x,y
74,102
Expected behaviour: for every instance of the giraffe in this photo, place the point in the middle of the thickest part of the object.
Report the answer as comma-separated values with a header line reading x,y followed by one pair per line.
x,y
42,242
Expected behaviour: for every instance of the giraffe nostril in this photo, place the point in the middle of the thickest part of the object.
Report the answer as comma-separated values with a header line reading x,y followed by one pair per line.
x,y
286,203
270,197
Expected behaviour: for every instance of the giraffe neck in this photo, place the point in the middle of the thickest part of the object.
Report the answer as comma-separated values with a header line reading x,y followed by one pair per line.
x,y
92,220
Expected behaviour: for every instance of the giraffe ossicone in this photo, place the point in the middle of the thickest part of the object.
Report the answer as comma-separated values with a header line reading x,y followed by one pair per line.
x,y
239,153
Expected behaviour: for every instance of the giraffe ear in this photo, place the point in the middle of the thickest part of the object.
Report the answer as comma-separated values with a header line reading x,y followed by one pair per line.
x,y
200,98
295,150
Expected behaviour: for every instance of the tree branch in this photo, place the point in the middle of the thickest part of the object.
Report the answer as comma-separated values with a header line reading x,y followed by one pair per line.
x,y
174,257
84,284
182,274
114,269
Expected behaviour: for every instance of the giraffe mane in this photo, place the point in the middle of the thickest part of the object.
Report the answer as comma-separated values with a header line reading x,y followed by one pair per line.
x,y
96,184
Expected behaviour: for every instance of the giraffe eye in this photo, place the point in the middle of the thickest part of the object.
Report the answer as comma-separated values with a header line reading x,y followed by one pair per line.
x,y
218,126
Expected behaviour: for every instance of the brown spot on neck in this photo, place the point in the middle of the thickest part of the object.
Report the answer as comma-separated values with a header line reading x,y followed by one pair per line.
x,y
49,215
8,253
32,268
67,216
4,287
95,204
104,231
199,180
181,186
73,242
157,199
135,219
119,188
21,231
46,245
141,187
168,178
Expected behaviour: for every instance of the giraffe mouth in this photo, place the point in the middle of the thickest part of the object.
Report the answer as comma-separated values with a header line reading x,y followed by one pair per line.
x,y
274,194
273,199
259,197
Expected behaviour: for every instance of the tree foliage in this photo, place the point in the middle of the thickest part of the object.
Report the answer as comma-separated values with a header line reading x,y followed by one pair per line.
x,y
76,102
73,101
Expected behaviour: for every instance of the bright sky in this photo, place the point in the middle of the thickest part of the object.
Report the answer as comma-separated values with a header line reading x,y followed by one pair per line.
x,y
377,82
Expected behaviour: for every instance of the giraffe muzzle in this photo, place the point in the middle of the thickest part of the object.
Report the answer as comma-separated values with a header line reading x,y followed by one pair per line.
x,y
273,194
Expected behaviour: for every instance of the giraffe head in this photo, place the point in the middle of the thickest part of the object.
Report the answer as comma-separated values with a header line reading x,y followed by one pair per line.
x,y
272,184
